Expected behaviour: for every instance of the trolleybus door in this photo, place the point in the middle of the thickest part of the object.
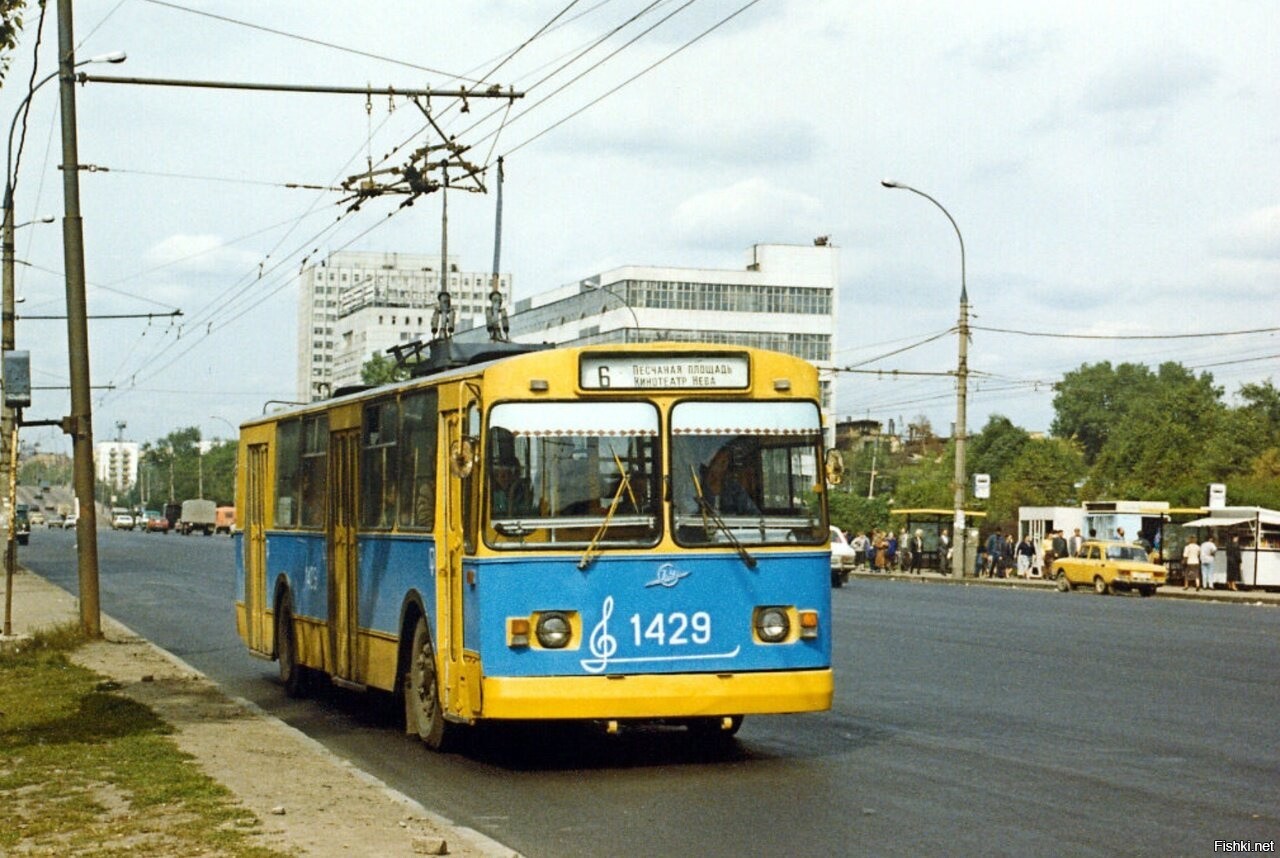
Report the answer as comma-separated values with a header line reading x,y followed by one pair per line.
x,y
255,548
344,447
459,689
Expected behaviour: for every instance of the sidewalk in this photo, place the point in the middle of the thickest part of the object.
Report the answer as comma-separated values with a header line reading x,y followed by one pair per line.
x,y
310,801
1244,597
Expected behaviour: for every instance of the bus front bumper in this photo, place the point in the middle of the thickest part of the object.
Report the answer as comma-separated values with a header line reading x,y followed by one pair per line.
x,y
681,695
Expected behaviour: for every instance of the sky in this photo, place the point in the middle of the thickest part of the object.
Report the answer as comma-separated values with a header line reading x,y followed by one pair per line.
x,y
1111,167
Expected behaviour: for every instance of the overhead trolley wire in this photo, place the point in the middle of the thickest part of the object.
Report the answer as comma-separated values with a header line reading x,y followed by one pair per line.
x,y
634,77
311,41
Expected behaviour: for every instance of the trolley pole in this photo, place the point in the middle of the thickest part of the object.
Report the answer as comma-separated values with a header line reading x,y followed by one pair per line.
x,y
79,424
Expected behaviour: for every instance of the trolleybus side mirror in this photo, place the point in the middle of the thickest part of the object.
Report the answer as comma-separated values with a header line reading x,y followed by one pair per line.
x,y
835,467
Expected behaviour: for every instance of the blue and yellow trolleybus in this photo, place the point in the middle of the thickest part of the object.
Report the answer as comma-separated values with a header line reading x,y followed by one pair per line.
x,y
579,533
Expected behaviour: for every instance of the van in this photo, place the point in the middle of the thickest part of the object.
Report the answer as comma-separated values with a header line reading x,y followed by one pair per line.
x,y
198,514
224,520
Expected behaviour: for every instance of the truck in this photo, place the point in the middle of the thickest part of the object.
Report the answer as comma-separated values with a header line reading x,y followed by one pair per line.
x,y
226,520
198,514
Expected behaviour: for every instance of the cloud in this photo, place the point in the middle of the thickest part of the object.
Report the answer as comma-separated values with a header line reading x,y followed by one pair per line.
x,y
1012,52
1254,236
731,143
197,253
749,210
1148,82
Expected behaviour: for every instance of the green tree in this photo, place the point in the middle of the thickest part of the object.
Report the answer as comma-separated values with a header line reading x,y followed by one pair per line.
x,y
1092,400
10,26
997,446
380,369
1162,442
1045,473
853,512
926,484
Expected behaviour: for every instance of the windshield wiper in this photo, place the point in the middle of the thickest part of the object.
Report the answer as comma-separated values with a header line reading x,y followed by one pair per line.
x,y
708,512
624,485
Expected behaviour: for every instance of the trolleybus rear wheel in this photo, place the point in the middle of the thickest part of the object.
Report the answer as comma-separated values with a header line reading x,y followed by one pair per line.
x,y
422,711
293,676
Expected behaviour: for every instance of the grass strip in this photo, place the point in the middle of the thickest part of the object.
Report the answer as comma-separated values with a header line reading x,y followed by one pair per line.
x,y
89,772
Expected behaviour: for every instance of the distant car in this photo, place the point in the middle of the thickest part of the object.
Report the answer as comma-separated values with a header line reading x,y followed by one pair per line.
x,y
36,518
843,558
1109,566
70,522
122,521
54,521
156,523
22,524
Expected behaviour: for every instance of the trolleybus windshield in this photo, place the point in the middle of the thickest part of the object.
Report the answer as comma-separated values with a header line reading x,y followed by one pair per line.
x,y
572,474
746,471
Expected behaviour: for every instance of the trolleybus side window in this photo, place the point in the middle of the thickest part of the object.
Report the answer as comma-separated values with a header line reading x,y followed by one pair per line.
x,y
378,463
746,472
314,470
287,467
418,443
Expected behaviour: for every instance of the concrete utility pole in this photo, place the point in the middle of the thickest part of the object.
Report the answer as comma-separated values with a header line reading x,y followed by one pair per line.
x,y
959,533
79,424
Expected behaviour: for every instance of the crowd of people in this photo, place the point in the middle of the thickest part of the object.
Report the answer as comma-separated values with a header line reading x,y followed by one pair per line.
x,y
1001,555
886,551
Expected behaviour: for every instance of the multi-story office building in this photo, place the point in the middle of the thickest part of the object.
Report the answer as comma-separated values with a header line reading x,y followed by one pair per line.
x,y
116,463
783,299
356,303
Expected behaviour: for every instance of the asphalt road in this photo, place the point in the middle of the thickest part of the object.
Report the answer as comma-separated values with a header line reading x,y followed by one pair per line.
x,y
967,721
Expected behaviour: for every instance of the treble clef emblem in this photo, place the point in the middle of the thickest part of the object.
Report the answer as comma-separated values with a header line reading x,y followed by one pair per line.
x,y
603,645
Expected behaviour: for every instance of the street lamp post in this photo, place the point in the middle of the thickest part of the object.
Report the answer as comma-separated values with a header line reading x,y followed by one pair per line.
x,y
959,529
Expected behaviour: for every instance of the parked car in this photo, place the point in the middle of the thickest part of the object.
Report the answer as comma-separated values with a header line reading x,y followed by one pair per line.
x,y
843,558
1109,566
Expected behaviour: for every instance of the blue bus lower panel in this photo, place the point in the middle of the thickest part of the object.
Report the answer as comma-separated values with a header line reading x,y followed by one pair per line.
x,y
390,567
302,559
677,613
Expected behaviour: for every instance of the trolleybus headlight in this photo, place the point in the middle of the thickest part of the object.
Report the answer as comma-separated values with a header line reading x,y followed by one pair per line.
x,y
554,630
772,624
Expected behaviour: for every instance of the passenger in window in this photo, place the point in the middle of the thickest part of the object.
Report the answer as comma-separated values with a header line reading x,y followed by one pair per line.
x,y
732,480
510,494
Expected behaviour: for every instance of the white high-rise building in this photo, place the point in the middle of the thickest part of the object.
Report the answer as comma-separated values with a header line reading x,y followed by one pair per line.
x,y
357,303
116,463
783,299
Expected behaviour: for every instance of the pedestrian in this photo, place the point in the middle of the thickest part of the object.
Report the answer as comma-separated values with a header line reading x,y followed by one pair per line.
x,y
1076,543
917,551
1026,554
891,551
1007,550
1208,551
944,553
859,546
882,552
1120,534
1234,562
1059,548
995,545
1191,565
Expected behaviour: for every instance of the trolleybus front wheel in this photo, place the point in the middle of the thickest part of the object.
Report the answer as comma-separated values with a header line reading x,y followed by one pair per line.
x,y
293,676
422,711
